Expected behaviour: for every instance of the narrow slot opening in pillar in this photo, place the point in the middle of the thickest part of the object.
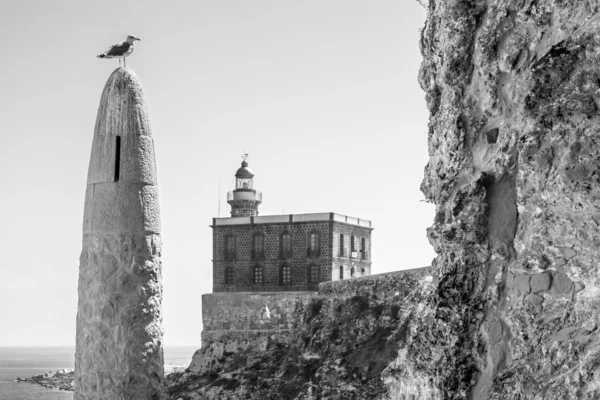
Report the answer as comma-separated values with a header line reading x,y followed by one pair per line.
x,y
117,158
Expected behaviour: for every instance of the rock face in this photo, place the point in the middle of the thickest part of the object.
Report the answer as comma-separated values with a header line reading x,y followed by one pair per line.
x,y
119,334
333,345
513,91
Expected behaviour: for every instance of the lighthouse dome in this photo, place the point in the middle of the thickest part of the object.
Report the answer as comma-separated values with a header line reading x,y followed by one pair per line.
x,y
244,171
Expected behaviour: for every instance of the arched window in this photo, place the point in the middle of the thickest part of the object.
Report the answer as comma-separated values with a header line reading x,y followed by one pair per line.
x,y
363,253
362,271
341,272
229,247
314,245
285,276
258,275
313,274
229,277
285,245
352,272
258,246
342,245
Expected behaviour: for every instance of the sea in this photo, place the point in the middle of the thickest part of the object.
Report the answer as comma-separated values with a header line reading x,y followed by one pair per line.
x,y
25,362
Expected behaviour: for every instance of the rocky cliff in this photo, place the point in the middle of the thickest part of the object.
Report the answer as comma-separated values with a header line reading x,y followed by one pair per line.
x,y
513,91
343,337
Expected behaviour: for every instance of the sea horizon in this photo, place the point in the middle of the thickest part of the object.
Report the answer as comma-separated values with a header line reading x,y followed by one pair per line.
x,y
27,361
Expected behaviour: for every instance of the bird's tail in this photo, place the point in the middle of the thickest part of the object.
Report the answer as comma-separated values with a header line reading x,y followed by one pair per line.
x,y
101,55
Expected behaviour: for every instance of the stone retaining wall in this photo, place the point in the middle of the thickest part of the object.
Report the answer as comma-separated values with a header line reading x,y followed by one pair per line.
x,y
384,284
233,322
244,312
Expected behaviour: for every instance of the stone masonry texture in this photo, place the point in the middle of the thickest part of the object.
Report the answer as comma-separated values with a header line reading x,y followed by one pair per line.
x,y
235,322
328,259
119,334
513,92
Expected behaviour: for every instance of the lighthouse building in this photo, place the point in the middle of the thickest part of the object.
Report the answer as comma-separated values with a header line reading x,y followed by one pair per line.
x,y
290,252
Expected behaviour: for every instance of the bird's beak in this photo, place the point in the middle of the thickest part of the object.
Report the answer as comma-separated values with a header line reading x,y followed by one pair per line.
x,y
137,38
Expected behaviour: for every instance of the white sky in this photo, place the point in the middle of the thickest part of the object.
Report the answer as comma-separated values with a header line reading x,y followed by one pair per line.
x,y
323,94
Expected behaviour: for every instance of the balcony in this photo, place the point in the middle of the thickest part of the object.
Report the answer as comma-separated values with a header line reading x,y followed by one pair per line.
x,y
244,195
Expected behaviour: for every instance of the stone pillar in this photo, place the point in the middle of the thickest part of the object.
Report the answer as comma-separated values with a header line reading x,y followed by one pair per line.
x,y
119,323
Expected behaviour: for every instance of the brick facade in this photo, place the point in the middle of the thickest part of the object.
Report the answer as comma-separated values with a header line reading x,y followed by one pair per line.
x,y
245,266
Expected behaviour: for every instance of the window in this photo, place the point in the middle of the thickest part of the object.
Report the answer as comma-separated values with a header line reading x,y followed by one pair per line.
x,y
363,254
258,275
314,245
352,272
352,243
229,276
244,183
314,241
313,274
285,276
258,247
229,247
341,272
286,245
341,245
117,158
362,271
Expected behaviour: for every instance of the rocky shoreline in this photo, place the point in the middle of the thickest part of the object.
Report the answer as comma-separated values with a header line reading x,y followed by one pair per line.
x,y
62,379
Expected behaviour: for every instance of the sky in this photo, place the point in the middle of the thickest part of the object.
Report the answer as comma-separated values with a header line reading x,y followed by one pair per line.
x,y
322,94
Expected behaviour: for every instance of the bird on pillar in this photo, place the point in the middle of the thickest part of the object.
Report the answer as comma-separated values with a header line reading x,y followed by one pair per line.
x,y
121,50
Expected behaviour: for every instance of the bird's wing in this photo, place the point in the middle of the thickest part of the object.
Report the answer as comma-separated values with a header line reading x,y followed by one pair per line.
x,y
118,49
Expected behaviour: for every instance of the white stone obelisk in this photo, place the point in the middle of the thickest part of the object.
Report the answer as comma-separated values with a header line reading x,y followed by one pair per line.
x,y
119,318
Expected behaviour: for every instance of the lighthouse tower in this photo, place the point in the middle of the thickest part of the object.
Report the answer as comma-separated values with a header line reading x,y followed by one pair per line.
x,y
244,200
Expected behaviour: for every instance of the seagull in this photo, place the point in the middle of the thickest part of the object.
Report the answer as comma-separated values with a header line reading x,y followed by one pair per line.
x,y
267,313
120,50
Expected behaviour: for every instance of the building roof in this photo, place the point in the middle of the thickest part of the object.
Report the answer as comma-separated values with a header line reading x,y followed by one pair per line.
x,y
292,218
